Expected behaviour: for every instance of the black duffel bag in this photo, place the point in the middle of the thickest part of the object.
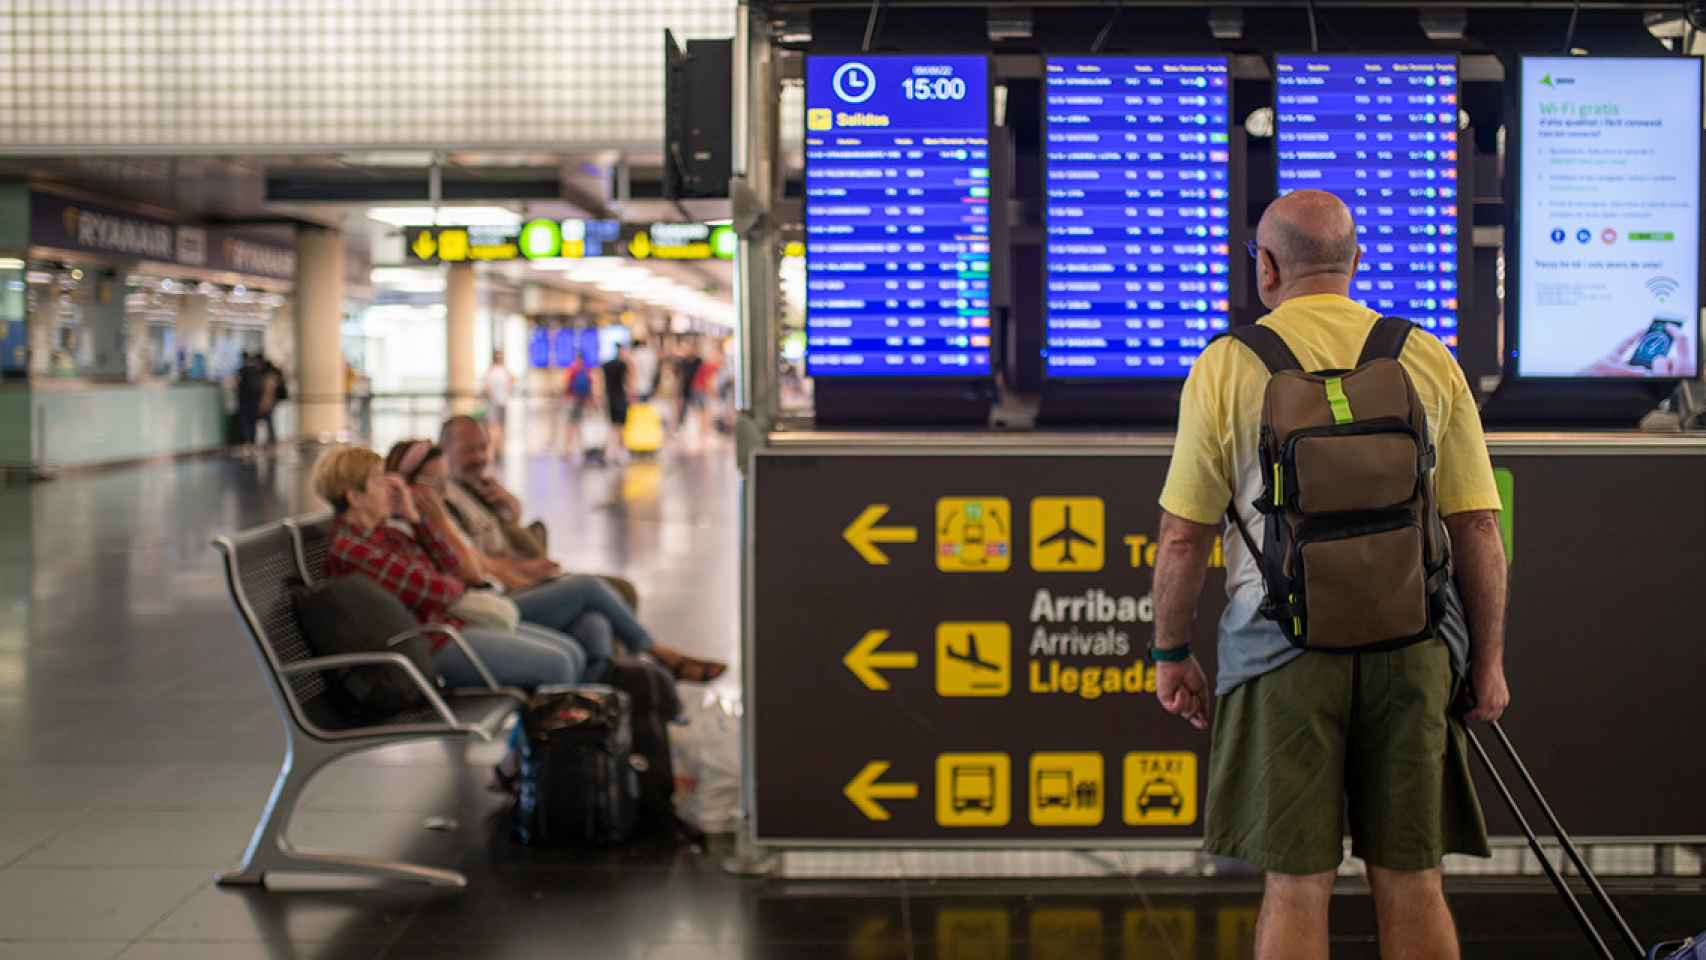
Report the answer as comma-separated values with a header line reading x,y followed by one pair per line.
x,y
354,614
577,785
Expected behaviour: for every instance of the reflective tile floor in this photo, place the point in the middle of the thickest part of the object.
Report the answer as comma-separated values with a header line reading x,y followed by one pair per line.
x,y
137,745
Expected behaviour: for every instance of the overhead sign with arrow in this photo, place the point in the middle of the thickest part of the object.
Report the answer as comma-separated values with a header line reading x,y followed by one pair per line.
x,y
865,661
863,534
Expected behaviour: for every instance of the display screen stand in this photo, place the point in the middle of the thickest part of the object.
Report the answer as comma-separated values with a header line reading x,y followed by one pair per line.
x,y
920,403
1561,404
1093,403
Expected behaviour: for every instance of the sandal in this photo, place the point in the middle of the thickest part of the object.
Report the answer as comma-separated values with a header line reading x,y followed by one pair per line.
x,y
693,670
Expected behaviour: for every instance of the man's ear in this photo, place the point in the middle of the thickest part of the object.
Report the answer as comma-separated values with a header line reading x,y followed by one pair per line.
x,y
1265,259
1356,262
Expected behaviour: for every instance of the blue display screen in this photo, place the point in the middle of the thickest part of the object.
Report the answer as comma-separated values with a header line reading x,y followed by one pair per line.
x,y
539,348
563,347
897,216
1381,133
1137,214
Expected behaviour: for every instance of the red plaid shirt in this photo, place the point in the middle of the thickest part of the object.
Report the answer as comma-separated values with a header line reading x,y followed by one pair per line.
x,y
411,561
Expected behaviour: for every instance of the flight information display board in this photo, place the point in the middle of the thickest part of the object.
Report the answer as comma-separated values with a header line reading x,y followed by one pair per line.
x,y
1137,214
1380,132
897,216
1608,223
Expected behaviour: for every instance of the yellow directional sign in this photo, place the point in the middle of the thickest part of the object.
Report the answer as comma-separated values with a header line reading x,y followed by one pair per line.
x,y
863,534
974,789
640,246
974,534
424,246
865,791
1160,789
820,118
973,934
1067,534
1067,789
974,659
864,660
1160,934
453,245
1069,933
1235,933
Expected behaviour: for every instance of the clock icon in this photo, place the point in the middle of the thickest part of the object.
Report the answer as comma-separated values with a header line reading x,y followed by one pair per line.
x,y
854,82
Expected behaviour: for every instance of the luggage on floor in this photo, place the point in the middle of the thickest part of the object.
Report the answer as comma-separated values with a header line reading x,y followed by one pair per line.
x,y
644,431
1691,949
706,756
354,614
595,435
651,691
577,785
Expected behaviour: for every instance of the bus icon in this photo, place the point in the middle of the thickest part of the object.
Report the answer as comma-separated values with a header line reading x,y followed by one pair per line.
x,y
973,788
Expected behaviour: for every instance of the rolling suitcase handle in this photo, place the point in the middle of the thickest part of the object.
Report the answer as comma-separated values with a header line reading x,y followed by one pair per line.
x,y
1558,881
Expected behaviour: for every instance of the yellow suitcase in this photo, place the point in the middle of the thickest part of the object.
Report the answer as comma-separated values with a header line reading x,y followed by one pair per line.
x,y
644,432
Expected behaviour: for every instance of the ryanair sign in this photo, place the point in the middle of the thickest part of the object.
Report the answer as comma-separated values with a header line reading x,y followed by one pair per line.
x,y
69,225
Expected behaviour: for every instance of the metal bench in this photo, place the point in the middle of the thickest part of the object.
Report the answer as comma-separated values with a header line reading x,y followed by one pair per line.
x,y
259,565
311,540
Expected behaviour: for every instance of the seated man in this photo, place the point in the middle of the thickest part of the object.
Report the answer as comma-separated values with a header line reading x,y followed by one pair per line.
x,y
491,515
486,514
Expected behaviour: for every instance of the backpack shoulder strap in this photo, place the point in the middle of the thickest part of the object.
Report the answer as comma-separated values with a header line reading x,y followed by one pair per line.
x,y
1267,345
1386,340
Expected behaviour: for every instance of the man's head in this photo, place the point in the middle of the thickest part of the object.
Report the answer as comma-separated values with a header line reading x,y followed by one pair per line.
x,y
497,358
1306,243
465,444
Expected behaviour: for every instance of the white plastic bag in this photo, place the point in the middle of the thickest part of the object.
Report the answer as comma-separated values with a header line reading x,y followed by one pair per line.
x,y
705,750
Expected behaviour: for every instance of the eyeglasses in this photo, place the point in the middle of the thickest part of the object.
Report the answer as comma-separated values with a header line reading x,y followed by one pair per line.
x,y
1254,250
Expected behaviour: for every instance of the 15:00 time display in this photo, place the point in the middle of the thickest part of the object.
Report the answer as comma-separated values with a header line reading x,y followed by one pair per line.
x,y
934,88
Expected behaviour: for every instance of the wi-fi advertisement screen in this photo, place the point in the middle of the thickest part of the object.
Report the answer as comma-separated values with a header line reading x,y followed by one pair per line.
x,y
1608,219
1379,131
1137,214
897,216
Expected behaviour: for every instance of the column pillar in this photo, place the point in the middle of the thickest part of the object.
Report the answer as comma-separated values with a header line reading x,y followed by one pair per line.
x,y
459,310
319,331
193,335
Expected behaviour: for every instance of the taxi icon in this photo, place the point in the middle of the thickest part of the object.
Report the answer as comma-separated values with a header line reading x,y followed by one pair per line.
x,y
1160,795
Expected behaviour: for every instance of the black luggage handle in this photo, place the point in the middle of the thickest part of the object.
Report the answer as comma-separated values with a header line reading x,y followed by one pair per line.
x,y
1558,881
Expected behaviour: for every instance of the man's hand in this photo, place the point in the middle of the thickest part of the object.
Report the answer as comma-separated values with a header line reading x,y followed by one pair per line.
x,y
502,502
1183,691
1492,695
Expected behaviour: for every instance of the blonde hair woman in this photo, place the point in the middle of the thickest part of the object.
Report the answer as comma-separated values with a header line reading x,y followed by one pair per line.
x,y
400,536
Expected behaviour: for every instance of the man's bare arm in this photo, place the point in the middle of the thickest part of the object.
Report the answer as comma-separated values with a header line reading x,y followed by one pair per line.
x,y
1181,568
1478,550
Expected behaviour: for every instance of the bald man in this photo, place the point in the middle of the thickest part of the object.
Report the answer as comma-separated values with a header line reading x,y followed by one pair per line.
x,y
1302,737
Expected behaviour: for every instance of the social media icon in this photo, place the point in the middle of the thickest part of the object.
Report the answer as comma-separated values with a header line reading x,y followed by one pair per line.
x,y
1609,236
1584,235
1558,235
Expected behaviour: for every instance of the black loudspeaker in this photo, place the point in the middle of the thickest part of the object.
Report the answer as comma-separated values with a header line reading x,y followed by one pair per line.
x,y
698,138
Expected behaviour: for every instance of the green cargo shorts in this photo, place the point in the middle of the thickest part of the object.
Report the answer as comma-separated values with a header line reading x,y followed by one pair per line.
x,y
1328,735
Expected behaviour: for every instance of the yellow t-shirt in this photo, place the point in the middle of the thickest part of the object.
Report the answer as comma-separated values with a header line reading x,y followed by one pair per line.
x,y
1220,413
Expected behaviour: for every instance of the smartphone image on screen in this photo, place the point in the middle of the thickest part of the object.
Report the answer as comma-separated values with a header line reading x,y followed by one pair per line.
x,y
1655,343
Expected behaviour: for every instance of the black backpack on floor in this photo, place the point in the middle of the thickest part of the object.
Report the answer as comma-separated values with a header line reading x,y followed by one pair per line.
x,y
652,691
578,785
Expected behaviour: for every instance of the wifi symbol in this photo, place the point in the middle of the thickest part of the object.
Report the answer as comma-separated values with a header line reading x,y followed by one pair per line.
x,y
1662,287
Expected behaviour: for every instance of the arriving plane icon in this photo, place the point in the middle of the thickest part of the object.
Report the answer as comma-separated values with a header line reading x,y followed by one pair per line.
x,y
971,655
1069,537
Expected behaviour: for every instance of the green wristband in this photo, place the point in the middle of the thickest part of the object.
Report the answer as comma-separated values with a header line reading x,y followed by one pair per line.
x,y
1170,655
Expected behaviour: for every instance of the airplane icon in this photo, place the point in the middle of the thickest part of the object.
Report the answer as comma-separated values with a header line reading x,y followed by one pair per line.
x,y
1069,537
1076,543
971,656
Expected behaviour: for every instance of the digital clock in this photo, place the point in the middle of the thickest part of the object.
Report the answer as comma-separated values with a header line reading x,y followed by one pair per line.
x,y
934,88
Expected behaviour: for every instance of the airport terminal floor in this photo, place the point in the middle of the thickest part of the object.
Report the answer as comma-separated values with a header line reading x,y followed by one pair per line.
x,y
138,743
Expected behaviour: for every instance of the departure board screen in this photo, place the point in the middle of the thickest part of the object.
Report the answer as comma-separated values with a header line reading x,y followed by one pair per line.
x,y
1137,214
1381,133
897,216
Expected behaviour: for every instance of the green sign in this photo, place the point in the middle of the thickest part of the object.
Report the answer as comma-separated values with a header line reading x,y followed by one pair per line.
x,y
541,238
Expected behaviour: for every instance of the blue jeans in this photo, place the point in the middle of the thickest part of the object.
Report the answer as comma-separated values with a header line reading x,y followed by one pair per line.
x,y
527,657
587,609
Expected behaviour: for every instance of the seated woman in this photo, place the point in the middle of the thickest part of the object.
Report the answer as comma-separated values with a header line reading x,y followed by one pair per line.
x,y
401,538
585,607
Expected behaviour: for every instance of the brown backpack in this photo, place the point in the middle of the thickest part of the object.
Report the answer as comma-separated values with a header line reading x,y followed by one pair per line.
x,y
1353,556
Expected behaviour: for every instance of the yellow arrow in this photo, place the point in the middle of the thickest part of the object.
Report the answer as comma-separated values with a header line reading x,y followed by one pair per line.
x,y
863,533
864,660
864,790
424,246
640,246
